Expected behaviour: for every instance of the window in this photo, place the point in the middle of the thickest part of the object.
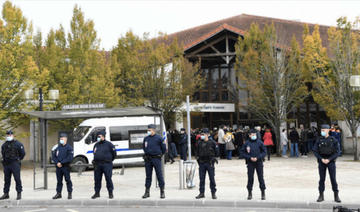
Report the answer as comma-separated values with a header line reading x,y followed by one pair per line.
x,y
118,133
80,132
225,96
92,136
215,77
204,97
224,76
214,96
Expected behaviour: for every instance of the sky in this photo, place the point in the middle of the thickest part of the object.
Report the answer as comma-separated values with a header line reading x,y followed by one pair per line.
x,y
113,18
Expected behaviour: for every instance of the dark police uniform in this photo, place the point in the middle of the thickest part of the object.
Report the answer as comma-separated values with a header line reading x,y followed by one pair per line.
x,y
255,149
183,145
63,154
104,154
327,148
154,147
12,153
206,153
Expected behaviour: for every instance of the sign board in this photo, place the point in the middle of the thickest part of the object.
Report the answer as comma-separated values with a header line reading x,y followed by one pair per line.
x,y
83,106
211,107
136,138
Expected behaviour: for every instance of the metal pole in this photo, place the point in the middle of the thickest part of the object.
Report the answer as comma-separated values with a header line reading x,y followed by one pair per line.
x,y
188,125
41,99
181,174
45,155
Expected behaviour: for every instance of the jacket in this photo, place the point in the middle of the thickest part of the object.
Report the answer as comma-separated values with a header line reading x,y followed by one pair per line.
x,y
221,134
253,149
104,151
154,145
294,136
12,151
268,139
63,154
334,144
284,139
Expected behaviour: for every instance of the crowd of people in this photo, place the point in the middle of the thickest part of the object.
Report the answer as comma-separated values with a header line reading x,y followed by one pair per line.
x,y
295,142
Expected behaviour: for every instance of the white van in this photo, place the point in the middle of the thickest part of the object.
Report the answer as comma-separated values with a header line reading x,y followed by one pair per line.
x,y
126,133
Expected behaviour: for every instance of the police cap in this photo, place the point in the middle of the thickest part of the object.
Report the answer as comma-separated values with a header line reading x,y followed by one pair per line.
x,y
152,126
252,131
63,135
325,126
9,132
102,132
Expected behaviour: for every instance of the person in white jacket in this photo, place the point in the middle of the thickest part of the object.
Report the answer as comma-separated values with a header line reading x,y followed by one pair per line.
x,y
284,142
221,141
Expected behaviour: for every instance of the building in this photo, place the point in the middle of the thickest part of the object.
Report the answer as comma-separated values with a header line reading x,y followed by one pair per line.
x,y
213,46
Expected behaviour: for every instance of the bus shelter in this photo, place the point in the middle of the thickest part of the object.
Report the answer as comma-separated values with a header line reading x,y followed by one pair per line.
x,y
45,116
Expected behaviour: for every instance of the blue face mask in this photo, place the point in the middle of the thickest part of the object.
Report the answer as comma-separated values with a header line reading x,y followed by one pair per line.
x,y
253,137
98,139
9,138
202,137
149,132
323,133
62,142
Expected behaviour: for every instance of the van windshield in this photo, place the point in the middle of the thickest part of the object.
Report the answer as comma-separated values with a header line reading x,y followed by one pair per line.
x,y
80,132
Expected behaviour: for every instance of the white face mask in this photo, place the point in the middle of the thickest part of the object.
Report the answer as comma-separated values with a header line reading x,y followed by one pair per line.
x,y
9,138
62,142
149,132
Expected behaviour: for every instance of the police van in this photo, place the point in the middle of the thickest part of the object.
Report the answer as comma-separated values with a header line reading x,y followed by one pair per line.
x,y
126,133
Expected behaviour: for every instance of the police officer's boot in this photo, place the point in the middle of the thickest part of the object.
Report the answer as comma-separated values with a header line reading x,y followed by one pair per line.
x,y
111,195
336,197
57,196
213,195
162,193
249,195
5,196
147,193
262,194
321,197
69,195
18,197
96,195
200,196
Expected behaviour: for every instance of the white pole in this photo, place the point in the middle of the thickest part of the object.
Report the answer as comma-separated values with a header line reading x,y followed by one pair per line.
x,y
188,125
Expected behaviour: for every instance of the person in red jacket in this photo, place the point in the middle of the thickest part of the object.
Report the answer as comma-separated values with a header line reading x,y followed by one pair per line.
x,y
268,142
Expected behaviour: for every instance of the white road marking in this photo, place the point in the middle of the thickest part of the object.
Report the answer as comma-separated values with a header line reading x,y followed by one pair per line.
x,y
36,210
71,210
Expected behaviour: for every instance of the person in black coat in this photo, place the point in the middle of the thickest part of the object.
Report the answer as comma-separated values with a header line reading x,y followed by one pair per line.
x,y
62,156
254,152
12,153
326,150
294,138
104,155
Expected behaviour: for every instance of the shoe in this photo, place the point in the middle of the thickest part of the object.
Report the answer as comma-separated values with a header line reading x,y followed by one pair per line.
x,y
249,195
57,196
172,161
5,196
321,197
111,195
200,196
147,193
263,195
213,195
69,195
336,197
162,193
18,197
96,195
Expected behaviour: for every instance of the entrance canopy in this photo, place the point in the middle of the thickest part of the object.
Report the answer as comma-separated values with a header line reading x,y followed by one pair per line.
x,y
98,113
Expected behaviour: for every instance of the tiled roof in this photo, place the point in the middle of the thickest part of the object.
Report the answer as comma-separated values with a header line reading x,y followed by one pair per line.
x,y
241,23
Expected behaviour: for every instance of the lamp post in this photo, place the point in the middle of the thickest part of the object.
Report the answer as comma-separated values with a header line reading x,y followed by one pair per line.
x,y
53,96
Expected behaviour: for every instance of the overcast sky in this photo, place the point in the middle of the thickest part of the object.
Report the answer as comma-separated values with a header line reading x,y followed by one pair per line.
x,y
113,18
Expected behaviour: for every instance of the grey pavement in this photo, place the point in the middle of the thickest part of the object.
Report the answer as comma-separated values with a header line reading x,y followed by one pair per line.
x,y
291,183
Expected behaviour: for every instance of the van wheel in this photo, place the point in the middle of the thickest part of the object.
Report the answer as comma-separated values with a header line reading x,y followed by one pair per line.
x,y
78,164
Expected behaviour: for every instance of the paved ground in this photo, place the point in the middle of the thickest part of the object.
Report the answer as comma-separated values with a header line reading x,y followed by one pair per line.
x,y
287,180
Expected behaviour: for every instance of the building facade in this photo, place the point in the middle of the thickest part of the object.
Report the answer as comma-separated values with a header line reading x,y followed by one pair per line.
x,y
213,47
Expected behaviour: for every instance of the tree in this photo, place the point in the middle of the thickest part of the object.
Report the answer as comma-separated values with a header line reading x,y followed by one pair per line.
x,y
333,90
272,76
17,68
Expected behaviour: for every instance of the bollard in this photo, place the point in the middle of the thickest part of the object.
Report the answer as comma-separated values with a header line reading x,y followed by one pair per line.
x,y
181,174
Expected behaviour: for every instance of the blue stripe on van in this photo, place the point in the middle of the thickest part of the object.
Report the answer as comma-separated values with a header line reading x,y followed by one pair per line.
x,y
118,150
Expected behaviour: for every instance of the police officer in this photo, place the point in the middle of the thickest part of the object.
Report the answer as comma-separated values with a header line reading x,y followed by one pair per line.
x,y
326,150
183,144
12,153
154,147
206,153
104,154
62,156
254,152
